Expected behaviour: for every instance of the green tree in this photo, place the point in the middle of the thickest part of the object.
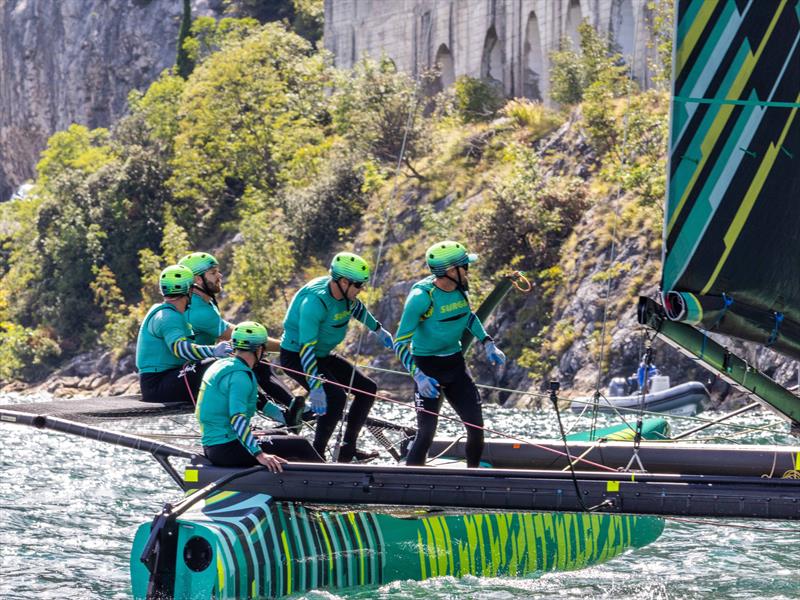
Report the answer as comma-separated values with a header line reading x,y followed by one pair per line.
x,y
210,35
309,16
75,149
375,108
263,262
573,71
158,108
245,112
529,215
476,100
183,62
663,17
318,214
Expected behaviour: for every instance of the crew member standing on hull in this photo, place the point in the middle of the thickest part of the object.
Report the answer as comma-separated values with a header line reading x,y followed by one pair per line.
x,y
209,327
227,403
316,322
428,343
166,344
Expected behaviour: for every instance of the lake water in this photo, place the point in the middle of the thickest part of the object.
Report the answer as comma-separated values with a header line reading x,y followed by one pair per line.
x,y
69,508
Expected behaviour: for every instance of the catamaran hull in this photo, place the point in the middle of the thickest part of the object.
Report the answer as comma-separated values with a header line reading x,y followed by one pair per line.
x,y
246,545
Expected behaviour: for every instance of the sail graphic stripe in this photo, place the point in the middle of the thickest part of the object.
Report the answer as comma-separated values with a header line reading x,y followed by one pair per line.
x,y
699,150
698,24
742,76
678,259
748,102
699,78
723,170
749,200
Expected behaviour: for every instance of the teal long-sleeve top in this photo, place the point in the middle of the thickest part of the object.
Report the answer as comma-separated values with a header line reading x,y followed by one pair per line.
x,y
226,403
166,341
316,323
206,322
432,323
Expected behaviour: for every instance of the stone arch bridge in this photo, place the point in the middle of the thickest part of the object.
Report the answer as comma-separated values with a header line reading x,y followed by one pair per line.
x,y
507,42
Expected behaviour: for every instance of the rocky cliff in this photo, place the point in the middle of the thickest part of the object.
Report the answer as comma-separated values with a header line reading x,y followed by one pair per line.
x,y
74,61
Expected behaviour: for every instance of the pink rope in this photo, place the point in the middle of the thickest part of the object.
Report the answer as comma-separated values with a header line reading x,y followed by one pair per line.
x,y
351,389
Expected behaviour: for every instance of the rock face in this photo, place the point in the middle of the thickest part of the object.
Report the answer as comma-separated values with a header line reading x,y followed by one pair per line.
x,y
74,61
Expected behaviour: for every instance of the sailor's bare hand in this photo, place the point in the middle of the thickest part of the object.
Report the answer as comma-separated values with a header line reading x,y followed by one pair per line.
x,y
272,462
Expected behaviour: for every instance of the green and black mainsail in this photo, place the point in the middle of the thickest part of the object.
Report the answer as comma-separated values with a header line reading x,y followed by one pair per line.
x,y
732,218
732,224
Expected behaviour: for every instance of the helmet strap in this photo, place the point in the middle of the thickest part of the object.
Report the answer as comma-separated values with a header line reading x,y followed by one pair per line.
x,y
205,290
343,292
461,286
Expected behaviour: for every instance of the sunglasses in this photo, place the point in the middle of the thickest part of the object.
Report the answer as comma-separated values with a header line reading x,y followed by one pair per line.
x,y
358,284
465,267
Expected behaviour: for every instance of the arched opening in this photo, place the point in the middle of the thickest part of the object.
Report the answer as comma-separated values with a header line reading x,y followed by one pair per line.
x,y
533,84
445,69
492,61
622,28
574,18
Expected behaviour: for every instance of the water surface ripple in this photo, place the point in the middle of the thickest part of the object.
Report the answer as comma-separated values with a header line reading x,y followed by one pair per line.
x,y
69,508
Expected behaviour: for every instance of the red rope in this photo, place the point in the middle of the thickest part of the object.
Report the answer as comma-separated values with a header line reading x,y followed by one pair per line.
x,y
351,389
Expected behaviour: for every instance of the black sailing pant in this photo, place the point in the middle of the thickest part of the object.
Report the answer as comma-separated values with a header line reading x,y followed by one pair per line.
x,y
458,387
170,386
234,454
336,369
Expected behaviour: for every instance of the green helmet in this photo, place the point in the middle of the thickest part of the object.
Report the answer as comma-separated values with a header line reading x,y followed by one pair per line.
x,y
443,255
199,262
249,335
175,280
352,266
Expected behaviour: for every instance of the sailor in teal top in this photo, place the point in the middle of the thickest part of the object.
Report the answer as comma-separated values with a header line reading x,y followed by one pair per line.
x,y
204,318
428,344
228,401
166,343
203,314
433,322
317,322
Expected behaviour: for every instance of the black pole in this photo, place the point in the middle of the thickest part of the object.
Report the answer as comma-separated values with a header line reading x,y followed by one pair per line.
x,y
93,433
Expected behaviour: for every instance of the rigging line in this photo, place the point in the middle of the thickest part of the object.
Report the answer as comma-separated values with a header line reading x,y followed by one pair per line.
x,y
480,385
387,218
570,462
612,250
588,404
715,421
752,428
456,420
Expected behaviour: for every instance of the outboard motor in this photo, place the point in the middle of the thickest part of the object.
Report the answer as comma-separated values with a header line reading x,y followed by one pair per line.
x,y
618,387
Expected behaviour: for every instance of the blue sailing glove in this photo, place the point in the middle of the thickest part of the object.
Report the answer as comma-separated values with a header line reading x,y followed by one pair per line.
x,y
493,353
384,337
319,401
427,386
223,349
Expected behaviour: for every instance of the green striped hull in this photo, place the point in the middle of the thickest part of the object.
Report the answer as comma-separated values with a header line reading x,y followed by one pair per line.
x,y
244,545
